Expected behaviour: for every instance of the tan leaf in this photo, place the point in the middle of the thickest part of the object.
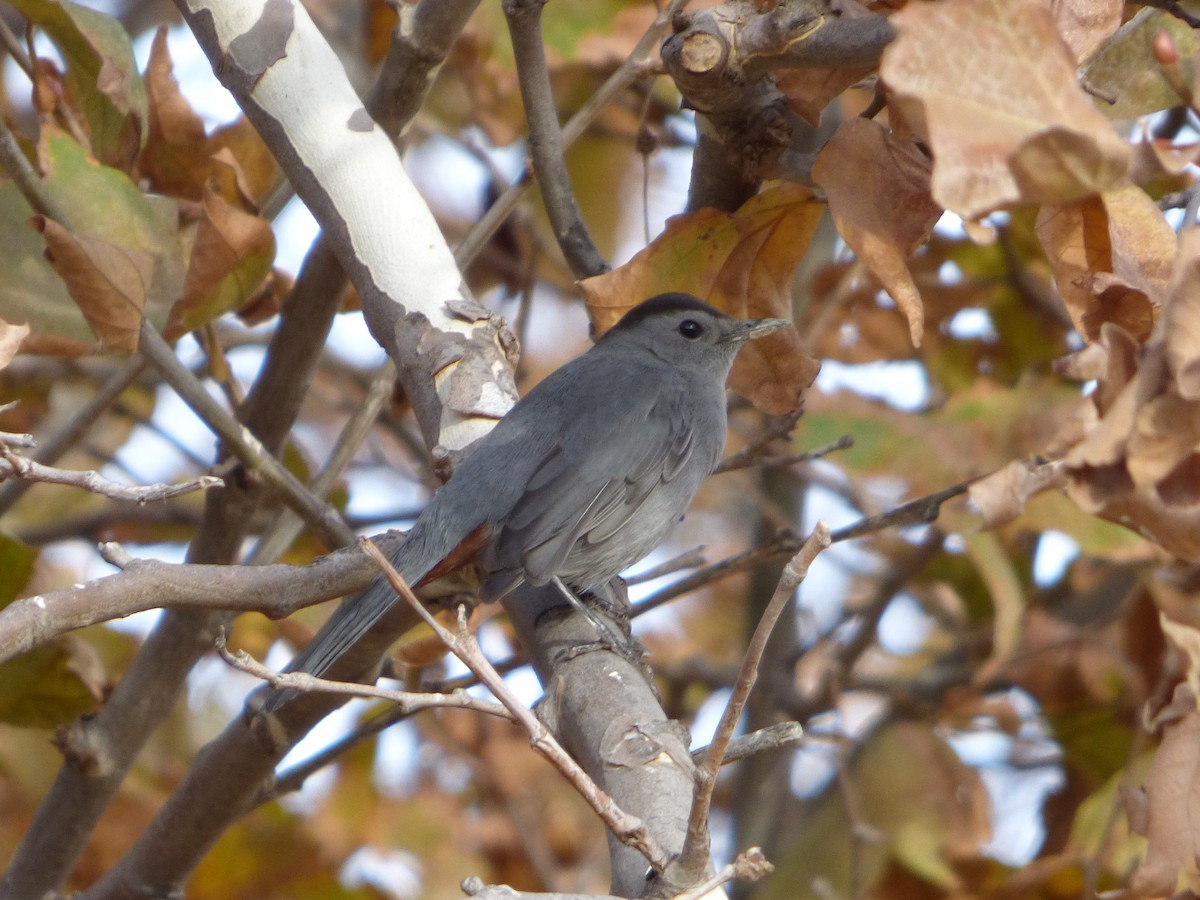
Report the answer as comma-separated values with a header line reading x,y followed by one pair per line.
x,y
878,191
1086,24
239,147
1122,233
10,340
1186,639
1022,105
1155,158
1002,496
107,282
929,807
1165,433
739,262
1183,317
1172,792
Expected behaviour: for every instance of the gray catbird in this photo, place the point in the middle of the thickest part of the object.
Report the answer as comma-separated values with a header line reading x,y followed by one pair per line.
x,y
585,475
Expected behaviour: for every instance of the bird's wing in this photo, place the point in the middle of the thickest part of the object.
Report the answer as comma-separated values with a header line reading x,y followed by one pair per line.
x,y
588,489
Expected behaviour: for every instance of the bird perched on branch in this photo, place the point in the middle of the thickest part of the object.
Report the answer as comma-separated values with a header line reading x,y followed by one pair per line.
x,y
583,477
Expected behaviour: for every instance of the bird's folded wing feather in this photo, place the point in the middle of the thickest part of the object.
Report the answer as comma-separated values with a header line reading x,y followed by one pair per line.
x,y
590,489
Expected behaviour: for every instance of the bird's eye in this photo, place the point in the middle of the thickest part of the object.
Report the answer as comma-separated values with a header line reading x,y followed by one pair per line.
x,y
691,329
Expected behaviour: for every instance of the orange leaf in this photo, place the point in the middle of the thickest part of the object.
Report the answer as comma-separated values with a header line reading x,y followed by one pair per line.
x,y
174,159
739,262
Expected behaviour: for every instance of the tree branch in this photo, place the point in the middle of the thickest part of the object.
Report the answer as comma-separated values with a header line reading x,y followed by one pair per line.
x,y
546,141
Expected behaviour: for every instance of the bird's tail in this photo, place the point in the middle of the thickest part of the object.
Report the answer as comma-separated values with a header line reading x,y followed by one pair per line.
x,y
428,543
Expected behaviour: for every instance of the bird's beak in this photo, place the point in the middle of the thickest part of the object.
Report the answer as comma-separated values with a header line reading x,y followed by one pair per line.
x,y
752,329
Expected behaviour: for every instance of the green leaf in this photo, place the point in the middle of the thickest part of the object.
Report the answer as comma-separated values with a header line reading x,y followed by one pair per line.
x,y
1125,68
105,204
101,73
48,686
16,565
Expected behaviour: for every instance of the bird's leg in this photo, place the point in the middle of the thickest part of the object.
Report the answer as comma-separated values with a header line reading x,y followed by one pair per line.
x,y
613,599
620,642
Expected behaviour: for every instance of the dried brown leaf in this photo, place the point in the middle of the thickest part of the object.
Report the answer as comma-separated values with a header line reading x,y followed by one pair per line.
x,y
232,255
108,282
1086,24
1186,639
1165,433
1183,317
1002,496
878,191
1172,793
1120,233
1019,129
174,159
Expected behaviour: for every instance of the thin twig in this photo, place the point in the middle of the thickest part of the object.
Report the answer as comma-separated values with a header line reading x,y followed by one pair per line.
x,y
13,465
921,511
773,737
13,439
695,854
749,866
628,829
747,458
52,448
407,702
692,559
288,525
1173,7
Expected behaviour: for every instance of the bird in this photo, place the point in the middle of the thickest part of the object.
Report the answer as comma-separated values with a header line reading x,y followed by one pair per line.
x,y
584,476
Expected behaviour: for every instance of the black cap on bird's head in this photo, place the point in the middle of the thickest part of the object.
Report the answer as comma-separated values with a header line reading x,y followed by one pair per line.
x,y
676,307
663,304
686,331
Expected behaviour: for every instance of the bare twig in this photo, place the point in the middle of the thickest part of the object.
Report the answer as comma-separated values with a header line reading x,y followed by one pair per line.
x,y
276,590
757,456
406,702
690,560
628,829
14,439
13,465
773,737
420,41
1175,9
749,866
921,511
695,854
